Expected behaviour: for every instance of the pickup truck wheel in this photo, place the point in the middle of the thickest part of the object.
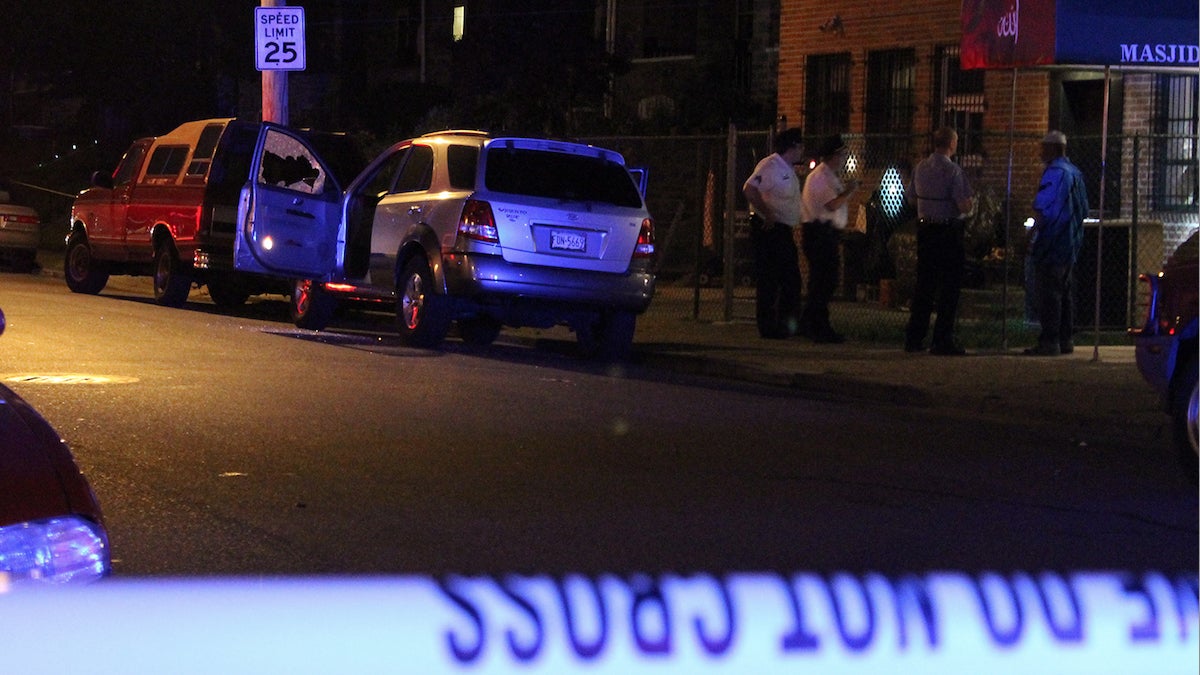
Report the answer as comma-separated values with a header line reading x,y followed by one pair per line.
x,y
226,293
479,331
312,307
171,282
422,315
84,274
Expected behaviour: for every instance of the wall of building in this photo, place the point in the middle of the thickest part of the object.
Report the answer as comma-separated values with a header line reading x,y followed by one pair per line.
x,y
866,26
1017,106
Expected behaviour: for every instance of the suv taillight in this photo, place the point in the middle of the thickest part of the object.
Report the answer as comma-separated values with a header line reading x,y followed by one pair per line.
x,y
477,222
1153,312
645,242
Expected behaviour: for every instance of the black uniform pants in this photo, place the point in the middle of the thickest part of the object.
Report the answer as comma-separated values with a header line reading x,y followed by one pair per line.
x,y
821,249
1053,300
940,260
777,275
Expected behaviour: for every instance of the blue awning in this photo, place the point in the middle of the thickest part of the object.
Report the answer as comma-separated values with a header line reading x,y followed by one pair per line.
x,y
1019,33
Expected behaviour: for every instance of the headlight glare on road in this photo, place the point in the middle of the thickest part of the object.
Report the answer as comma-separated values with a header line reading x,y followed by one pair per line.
x,y
55,551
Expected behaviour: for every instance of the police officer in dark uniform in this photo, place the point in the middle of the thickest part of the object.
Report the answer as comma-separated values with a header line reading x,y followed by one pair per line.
x,y
943,198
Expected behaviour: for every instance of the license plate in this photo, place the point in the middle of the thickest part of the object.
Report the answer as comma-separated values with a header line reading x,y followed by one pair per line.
x,y
568,241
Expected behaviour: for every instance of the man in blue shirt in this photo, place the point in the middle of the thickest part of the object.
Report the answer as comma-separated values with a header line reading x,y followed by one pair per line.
x,y
1056,237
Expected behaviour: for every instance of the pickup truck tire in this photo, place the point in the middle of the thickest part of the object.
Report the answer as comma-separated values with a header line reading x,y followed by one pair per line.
x,y
311,306
84,274
226,293
171,282
422,315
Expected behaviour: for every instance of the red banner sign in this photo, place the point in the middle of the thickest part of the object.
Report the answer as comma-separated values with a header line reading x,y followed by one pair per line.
x,y
1007,33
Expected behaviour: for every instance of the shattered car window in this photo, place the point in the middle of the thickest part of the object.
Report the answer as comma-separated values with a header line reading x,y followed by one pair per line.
x,y
287,163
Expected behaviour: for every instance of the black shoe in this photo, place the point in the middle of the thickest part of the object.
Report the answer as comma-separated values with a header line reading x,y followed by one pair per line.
x,y
1066,348
774,335
829,336
1043,350
947,350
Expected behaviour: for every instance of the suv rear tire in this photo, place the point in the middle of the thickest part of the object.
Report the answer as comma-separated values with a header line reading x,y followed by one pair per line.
x,y
422,314
84,274
609,337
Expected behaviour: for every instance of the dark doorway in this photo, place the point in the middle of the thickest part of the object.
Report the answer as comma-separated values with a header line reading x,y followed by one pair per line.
x,y
1077,110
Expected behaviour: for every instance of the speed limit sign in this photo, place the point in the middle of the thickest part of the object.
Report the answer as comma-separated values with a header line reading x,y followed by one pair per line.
x,y
279,38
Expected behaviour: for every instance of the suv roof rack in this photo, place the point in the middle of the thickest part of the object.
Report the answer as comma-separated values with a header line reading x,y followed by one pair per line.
x,y
457,132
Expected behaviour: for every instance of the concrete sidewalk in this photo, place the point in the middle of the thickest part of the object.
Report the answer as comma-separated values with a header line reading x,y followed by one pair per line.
x,y
1090,386
1090,391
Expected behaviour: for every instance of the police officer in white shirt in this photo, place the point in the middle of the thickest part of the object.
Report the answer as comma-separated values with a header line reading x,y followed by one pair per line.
x,y
824,213
773,191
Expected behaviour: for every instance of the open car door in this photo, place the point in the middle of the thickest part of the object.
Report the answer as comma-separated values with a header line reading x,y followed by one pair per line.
x,y
288,211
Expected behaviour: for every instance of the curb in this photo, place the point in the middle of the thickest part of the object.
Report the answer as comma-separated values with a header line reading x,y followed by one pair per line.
x,y
824,385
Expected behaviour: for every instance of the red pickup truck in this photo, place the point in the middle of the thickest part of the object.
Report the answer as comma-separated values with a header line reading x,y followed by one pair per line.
x,y
170,207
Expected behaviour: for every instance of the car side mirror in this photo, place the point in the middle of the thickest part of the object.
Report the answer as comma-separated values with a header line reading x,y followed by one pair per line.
x,y
1,322
102,180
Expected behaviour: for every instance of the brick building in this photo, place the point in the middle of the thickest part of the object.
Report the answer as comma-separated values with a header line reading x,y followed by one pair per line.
x,y
889,74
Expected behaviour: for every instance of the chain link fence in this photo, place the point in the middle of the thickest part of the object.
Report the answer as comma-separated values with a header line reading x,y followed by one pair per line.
x,y
705,265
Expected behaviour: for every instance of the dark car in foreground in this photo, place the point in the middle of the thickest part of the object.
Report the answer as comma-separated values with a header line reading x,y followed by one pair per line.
x,y
1166,345
51,527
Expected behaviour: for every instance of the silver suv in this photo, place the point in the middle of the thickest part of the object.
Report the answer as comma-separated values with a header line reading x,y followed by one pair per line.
x,y
20,229
458,227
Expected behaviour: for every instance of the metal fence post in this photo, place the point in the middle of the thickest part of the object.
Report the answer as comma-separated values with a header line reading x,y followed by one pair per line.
x,y
730,178
1134,238
697,264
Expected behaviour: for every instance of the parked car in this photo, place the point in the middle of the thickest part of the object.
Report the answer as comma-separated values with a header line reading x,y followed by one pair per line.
x,y
51,527
20,232
168,211
460,227
1166,346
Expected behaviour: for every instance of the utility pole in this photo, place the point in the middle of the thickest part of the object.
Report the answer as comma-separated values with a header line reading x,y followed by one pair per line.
x,y
275,86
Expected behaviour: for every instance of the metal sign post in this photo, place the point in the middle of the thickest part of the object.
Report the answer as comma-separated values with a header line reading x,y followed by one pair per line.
x,y
278,48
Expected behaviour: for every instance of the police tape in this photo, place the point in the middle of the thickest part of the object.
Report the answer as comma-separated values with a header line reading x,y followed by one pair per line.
x,y
944,622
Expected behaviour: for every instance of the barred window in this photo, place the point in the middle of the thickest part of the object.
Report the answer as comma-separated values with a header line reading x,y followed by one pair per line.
x,y
669,28
958,103
891,92
827,94
1175,127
